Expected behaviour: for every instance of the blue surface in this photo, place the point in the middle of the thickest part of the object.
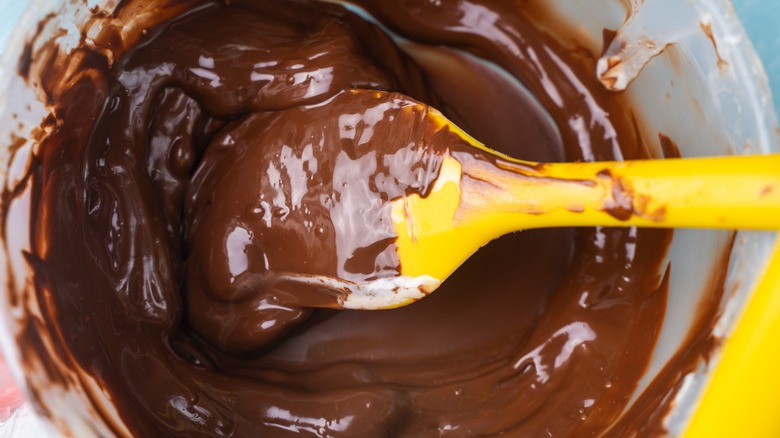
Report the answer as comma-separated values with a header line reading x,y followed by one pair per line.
x,y
761,19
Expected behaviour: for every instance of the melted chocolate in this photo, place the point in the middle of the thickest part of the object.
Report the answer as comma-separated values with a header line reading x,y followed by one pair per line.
x,y
186,170
313,206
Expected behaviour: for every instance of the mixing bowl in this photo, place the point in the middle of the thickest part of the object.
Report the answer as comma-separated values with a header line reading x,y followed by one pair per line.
x,y
705,88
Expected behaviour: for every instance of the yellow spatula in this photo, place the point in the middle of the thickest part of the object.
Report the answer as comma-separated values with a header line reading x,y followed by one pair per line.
x,y
475,201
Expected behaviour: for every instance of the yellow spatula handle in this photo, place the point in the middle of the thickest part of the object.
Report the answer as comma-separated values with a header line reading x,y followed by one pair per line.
x,y
739,192
476,200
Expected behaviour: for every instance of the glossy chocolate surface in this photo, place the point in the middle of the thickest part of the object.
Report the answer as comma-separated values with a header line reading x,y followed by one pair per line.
x,y
184,173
